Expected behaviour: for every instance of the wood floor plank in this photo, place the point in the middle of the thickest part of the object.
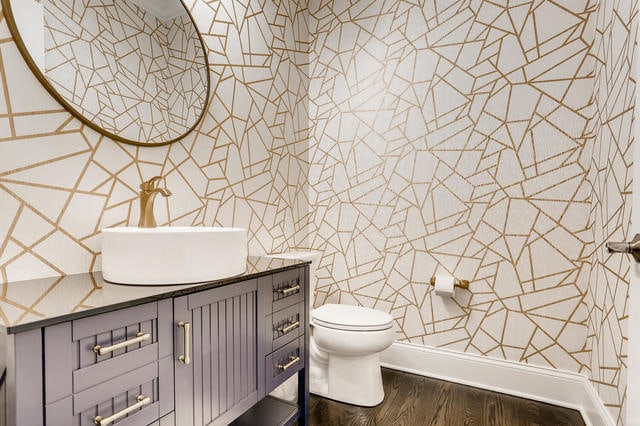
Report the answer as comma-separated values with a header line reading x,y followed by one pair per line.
x,y
412,400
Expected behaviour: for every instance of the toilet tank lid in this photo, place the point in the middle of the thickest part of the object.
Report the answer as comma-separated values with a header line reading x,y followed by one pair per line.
x,y
354,317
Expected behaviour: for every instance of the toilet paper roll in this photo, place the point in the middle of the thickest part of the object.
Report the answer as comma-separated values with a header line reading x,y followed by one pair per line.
x,y
445,286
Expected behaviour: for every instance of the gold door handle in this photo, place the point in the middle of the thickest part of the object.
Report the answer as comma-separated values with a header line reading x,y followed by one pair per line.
x,y
288,328
142,401
103,350
631,247
186,358
288,290
294,360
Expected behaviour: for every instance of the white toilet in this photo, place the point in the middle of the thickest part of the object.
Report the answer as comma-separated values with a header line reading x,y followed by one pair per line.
x,y
345,345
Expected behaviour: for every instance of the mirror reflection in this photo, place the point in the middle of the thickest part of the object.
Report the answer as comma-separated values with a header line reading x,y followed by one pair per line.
x,y
134,70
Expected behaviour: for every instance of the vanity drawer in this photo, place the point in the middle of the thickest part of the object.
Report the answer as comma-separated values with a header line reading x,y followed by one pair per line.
x,y
116,334
134,398
287,289
129,338
284,363
284,325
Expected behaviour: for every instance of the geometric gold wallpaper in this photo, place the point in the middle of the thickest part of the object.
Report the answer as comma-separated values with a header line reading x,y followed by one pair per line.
x,y
611,176
486,140
451,137
489,140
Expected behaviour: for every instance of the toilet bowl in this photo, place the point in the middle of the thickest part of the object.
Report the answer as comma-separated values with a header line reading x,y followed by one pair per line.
x,y
344,348
352,338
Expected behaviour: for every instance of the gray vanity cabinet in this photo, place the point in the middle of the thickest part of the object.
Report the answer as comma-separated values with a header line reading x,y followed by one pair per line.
x,y
215,362
207,355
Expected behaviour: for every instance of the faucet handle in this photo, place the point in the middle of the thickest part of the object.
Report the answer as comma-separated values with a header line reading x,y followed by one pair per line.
x,y
150,184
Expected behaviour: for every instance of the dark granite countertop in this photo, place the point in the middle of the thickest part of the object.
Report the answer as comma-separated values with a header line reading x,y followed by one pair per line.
x,y
26,305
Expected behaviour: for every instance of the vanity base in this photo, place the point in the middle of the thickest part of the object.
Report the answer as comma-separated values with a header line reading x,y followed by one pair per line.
x,y
276,411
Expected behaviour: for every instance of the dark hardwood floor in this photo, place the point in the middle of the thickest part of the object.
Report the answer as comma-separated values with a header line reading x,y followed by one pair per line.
x,y
415,400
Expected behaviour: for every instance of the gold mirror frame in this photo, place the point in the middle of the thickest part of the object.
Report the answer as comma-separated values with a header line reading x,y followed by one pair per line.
x,y
15,33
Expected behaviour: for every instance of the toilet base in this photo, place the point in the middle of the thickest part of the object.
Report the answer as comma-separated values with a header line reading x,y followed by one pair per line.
x,y
354,380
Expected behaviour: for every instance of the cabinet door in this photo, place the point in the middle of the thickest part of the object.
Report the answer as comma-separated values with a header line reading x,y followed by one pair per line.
x,y
219,381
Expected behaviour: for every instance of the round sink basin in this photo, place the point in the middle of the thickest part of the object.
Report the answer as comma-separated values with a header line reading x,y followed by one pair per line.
x,y
172,255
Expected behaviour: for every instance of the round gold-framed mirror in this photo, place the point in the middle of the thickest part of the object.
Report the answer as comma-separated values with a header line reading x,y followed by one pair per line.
x,y
133,70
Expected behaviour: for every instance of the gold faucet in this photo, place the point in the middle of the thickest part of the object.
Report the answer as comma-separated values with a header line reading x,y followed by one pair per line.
x,y
148,192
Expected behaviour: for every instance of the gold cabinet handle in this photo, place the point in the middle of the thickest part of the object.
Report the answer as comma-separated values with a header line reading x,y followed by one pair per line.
x,y
103,350
186,358
294,360
288,290
142,401
288,328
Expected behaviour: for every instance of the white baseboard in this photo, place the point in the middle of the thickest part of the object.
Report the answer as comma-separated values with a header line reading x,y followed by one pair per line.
x,y
542,384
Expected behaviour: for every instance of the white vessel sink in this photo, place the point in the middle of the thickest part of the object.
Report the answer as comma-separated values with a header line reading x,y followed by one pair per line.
x,y
172,255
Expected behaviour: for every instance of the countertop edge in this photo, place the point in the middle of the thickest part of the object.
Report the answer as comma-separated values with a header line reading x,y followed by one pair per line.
x,y
173,292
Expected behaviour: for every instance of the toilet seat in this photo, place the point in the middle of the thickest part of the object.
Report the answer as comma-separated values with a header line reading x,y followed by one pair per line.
x,y
351,318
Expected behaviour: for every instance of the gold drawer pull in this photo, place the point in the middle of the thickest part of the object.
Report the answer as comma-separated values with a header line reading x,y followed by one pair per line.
x,y
186,358
140,337
294,360
288,328
286,291
142,401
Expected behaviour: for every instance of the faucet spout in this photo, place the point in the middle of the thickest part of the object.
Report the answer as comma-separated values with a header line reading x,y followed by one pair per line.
x,y
162,191
148,192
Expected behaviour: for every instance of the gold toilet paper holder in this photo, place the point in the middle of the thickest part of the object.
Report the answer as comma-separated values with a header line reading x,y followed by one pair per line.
x,y
456,282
